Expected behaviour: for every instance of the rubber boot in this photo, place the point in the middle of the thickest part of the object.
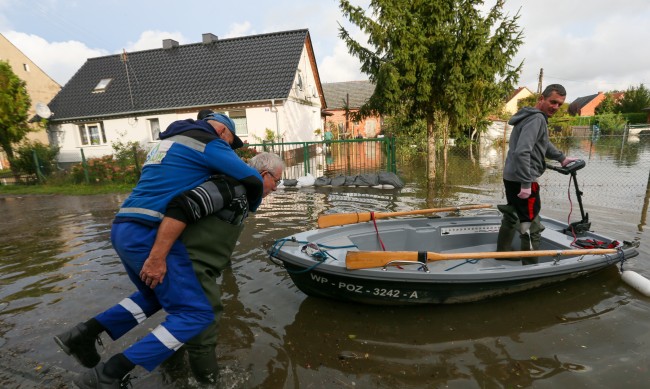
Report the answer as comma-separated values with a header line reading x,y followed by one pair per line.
x,y
175,366
204,366
508,228
532,240
80,343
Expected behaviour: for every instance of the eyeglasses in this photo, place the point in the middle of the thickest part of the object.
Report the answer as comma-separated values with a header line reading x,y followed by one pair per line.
x,y
275,179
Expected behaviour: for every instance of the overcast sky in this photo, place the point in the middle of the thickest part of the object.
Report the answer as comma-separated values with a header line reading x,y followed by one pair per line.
x,y
587,45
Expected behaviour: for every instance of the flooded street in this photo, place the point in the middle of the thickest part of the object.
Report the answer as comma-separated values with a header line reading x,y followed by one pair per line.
x,y
57,268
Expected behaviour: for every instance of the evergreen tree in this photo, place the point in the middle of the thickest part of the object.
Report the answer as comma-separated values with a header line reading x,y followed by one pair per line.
x,y
635,99
14,104
609,105
445,61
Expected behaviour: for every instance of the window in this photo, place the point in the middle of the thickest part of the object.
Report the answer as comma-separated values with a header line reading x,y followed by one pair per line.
x,y
154,127
299,82
371,127
241,125
26,67
102,85
92,134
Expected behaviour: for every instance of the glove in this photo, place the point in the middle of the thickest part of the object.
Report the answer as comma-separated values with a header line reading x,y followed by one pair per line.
x,y
567,161
524,193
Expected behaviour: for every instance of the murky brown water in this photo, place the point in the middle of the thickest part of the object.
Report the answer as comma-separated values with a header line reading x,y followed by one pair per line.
x,y
57,268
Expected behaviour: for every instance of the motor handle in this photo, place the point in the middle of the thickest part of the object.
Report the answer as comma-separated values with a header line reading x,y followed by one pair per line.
x,y
570,168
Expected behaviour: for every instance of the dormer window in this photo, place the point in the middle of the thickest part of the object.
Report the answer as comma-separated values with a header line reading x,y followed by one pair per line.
x,y
102,85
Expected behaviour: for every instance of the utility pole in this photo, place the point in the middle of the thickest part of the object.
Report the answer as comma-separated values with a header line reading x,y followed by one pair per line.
x,y
539,83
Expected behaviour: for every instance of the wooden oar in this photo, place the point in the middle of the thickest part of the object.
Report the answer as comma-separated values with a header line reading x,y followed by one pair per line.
x,y
369,259
339,219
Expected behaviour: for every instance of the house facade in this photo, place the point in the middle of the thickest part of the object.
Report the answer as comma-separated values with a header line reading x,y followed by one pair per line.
x,y
40,87
351,95
266,83
519,94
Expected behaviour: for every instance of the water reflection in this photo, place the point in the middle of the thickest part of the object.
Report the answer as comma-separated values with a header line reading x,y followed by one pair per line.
x,y
57,266
445,344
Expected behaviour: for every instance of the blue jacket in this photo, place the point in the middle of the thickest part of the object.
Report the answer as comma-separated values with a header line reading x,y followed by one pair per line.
x,y
187,155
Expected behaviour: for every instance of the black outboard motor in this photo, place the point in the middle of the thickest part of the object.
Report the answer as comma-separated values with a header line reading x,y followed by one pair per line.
x,y
571,168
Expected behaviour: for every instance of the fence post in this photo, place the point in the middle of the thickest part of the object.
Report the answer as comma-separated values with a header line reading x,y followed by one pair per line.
x,y
39,173
84,165
305,155
137,163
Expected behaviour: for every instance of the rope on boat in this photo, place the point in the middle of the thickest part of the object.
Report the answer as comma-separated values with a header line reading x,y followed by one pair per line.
x,y
472,261
314,250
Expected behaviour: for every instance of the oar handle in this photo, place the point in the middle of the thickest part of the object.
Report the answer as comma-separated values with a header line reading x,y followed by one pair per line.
x,y
370,259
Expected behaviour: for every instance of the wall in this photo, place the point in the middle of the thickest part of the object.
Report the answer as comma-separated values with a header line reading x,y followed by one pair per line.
x,y
40,87
363,127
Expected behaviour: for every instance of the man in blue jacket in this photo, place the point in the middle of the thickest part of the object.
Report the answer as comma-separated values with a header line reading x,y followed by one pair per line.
x,y
188,154
529,146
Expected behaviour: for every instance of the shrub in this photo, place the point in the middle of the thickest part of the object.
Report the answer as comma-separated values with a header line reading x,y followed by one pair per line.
x,y
46,155
246,153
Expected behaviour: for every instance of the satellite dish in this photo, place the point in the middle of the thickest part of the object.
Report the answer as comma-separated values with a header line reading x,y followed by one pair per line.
x,y
43,110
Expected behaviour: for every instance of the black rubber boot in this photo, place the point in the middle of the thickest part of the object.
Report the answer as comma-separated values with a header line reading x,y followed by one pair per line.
x,y
175,366
204,366
80,344
508,228
96,378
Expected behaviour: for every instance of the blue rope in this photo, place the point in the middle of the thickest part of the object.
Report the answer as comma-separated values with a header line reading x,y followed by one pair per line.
x,y
472,261
320,258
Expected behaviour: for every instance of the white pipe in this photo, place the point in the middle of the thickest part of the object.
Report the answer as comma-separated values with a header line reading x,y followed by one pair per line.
x,y
637,281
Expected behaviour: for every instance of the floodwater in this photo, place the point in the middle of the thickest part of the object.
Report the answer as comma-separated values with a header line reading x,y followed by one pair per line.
x,y
57,268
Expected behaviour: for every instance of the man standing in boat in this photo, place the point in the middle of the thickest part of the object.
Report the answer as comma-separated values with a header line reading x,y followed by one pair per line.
x,y
525,163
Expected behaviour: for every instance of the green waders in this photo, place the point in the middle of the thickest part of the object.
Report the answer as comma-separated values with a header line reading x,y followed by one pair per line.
x,y
210,243
530,240
509,226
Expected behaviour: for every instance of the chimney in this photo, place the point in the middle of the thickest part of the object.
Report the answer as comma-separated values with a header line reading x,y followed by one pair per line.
x,y
209,38
169,44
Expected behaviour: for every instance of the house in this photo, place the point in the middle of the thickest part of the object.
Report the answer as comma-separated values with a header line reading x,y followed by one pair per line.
x,y
40,87
519,94
266,83
586,105
351,94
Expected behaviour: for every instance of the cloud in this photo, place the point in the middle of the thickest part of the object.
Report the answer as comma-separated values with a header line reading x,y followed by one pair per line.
x,y
340,66
240,29
152,39
60,60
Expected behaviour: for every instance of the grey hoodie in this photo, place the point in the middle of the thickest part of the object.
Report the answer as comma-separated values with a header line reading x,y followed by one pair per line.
x,y
529,145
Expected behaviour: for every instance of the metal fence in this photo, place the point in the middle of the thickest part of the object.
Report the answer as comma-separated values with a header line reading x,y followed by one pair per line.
x,y
331,158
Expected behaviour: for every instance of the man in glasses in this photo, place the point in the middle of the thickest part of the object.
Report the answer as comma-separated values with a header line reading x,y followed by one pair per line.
x,y
190,152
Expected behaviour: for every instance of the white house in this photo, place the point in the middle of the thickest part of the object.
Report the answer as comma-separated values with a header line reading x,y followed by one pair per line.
x,y
263,82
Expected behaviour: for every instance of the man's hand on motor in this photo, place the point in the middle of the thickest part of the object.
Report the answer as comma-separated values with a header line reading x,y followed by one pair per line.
x,y
567,161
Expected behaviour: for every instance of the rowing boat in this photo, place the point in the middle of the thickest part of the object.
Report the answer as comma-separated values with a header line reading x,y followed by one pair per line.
x,y
436,260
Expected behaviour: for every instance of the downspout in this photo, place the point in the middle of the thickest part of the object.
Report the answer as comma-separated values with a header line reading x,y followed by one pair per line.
x,y
277,120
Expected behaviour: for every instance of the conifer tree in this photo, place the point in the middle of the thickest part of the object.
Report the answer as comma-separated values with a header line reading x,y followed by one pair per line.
x,y
445,61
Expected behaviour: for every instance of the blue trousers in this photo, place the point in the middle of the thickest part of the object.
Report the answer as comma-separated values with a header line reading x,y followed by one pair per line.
x,y
188,310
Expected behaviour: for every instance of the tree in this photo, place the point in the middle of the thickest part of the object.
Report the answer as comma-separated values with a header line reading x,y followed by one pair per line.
x,y
635,100
443,60
609,105
529,101
14,104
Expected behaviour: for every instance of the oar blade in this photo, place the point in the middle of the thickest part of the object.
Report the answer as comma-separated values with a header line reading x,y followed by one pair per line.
x,y
369,259
340,219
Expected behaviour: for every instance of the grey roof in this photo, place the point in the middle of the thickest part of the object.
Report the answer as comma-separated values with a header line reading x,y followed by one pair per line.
x,y
336,93
251,68
579,103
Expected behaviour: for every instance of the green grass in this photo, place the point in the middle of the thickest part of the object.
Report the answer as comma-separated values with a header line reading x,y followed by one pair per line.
x,y
66,189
